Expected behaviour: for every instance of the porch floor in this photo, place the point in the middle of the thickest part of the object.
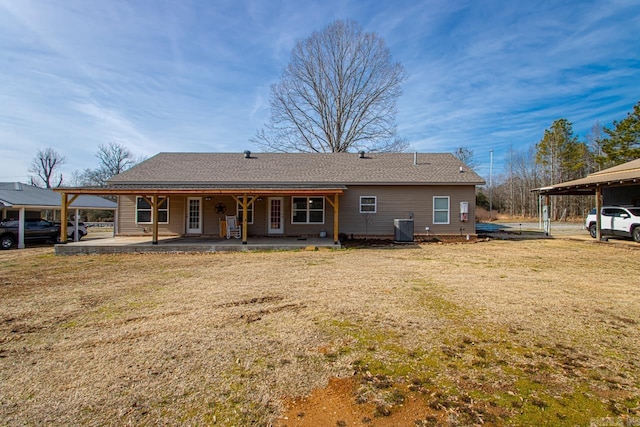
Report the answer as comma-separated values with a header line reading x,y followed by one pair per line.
x,y
112,245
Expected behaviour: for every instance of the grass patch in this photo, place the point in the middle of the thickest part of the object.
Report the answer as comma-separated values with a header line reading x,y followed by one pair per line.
x,y
512,333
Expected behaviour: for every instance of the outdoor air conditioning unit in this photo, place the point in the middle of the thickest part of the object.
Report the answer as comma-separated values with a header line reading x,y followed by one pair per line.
x,y
403,230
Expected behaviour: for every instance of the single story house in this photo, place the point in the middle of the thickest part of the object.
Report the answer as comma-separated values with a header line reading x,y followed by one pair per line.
x,y
293,194
22,201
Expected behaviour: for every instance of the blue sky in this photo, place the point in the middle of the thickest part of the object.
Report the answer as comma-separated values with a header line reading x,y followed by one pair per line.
x,y
183,75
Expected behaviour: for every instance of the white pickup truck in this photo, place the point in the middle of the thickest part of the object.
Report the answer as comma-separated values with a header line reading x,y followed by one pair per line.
x,y
616,221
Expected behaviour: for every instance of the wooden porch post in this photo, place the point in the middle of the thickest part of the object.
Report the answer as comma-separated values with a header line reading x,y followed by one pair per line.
x,y
335,220
598,214
154,214
244,219
64,211
335,205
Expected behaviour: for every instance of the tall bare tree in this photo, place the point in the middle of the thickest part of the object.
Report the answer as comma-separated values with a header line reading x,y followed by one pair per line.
x,y
595,137
45,166
338,93
562,157
113,159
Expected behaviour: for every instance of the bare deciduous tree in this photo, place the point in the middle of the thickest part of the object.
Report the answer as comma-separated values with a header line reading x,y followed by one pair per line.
x,y
466,156
45,166
114,159
338,93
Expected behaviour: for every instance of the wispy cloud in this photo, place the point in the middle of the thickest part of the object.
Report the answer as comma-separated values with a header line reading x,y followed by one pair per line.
x,y
195,75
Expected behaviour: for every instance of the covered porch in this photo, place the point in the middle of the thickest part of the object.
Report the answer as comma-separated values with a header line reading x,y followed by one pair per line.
x,y
246,197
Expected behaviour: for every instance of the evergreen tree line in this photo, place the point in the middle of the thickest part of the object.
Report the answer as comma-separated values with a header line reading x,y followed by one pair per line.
x,y
561,156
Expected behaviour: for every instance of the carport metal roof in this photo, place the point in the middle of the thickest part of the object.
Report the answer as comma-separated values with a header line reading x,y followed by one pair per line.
x,y
617,176
626,174
18,195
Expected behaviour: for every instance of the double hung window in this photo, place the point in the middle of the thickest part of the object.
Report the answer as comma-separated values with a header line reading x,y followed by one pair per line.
x,y
441,210
368,204
144,213
307,210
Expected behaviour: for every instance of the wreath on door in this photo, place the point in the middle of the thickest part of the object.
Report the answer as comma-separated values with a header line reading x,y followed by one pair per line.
x,y
221,208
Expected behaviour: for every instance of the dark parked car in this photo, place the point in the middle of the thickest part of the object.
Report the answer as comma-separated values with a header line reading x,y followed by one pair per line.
x,y
34,230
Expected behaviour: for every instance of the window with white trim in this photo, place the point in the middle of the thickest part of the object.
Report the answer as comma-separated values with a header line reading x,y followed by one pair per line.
x,y
241,213
307,210
441,210
368,204
144,213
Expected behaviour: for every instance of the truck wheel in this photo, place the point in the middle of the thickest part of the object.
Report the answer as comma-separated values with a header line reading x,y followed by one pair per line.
x,y
592,230
7,242
636,234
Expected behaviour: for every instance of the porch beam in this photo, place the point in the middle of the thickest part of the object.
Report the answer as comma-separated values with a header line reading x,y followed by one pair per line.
x,y
206,191
252,199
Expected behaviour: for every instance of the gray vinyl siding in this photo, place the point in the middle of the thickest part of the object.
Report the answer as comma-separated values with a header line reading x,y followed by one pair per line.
x,y
127,218
393,201
211,217
403,202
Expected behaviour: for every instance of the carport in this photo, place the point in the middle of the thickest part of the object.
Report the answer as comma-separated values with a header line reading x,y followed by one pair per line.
x,y
619,185
18,199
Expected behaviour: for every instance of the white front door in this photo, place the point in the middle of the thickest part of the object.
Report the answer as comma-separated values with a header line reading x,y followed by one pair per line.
x,y
276,215
194,215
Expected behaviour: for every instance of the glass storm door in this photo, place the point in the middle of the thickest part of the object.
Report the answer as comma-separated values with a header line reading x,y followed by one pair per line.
x,y
194,215
276,215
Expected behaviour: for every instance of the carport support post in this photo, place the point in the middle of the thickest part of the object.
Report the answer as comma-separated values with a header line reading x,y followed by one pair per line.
x,y
547,220
21,228
75,225
598,214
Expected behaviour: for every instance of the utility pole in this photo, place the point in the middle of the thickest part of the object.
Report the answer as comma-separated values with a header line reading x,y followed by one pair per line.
x,y
511,210
491,185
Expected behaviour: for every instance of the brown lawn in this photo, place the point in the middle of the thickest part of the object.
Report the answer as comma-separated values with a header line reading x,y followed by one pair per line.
x,y
502,333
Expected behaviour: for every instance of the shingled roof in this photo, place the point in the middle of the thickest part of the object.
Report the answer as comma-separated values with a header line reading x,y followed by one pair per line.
x,y
298,169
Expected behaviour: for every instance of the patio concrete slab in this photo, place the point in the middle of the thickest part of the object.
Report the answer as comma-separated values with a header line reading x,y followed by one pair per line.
x,y
166,244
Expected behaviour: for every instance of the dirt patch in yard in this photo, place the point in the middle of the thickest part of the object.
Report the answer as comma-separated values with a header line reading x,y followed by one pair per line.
x,y
335,405
539,332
